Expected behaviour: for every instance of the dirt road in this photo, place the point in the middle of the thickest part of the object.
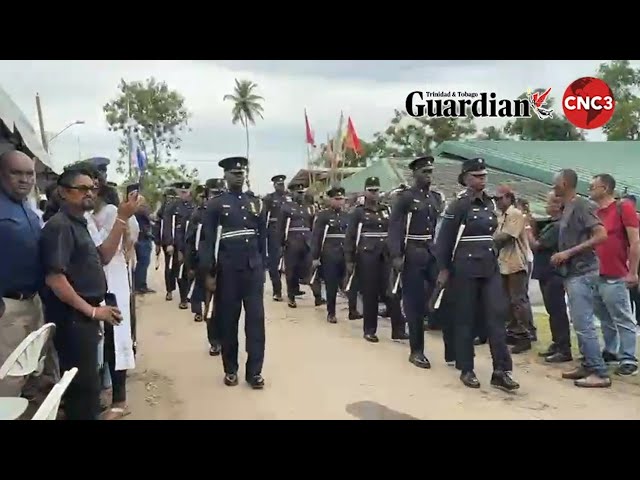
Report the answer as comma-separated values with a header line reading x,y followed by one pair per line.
x,y
315,370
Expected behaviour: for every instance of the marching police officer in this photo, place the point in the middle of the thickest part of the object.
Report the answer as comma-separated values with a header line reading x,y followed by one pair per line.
x,y
467,261
294,234
273,204
193,239
367,256
233,260
327,250
411,228
175,218
168,197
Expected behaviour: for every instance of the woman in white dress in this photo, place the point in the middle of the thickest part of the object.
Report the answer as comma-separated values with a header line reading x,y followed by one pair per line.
x,y
118,342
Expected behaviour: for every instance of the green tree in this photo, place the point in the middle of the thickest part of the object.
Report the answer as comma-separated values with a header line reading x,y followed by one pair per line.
x,y
624,81
408,137
492,133
533,128
158,117
246,107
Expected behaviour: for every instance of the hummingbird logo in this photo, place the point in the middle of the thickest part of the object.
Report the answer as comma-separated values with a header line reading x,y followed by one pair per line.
x,y
538,100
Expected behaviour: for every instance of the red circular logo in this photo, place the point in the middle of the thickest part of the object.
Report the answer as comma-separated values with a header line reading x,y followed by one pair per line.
x,y
588,103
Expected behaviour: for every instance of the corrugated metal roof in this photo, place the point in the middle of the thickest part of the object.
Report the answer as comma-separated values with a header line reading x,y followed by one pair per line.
x,y
540,161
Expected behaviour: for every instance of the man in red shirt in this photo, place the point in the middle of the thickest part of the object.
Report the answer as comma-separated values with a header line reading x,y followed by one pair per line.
x,y
618,256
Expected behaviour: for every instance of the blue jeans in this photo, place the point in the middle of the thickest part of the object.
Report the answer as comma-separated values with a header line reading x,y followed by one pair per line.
x,y
143,260
581,291
613,307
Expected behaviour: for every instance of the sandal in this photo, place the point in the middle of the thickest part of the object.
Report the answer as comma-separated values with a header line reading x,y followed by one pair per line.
x,y
115,413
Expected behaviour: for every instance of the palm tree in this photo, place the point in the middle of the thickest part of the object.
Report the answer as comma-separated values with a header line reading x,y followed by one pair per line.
x,y
246,107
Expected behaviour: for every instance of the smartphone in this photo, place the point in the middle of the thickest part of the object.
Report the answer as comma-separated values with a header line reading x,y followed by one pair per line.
x,y
134,187
110,300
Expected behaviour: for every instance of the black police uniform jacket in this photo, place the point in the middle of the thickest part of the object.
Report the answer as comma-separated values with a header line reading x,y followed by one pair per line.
x,y
333,247
273,203
299,227
476,255
373,237
157,228
425,207
193,237
243,236
182,211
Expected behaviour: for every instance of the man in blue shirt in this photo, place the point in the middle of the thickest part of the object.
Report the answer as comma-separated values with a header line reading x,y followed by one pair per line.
x,y
21,275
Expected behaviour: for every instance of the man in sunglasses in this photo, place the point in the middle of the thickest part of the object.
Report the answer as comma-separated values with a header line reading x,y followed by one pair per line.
x,y
107,190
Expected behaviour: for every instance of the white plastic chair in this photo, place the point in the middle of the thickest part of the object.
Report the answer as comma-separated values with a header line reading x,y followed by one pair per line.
x,y
49,408
27,358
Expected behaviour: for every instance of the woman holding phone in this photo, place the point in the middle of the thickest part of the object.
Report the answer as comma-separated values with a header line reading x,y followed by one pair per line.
x,y
118,342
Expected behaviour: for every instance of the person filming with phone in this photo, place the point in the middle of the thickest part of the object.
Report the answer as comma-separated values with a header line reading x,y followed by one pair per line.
x,y
75,285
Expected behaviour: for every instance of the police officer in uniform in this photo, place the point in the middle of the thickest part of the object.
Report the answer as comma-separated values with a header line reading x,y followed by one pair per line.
x,y
168,197
175,218
327,250
469,267
294,234
233,260
412,250
273,204
212,188
367,256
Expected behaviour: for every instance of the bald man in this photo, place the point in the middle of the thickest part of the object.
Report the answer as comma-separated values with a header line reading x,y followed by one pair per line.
x,y
21,275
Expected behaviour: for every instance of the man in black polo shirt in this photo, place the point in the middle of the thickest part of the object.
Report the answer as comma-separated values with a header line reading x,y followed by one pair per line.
x,y
76,286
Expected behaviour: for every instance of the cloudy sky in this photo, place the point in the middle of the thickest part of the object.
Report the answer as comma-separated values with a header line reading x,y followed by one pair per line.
x,y
367,90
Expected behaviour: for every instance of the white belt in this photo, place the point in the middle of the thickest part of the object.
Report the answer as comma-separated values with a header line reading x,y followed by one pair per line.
x,y
422,238
335,235
375,234
477,238
298,229
237,234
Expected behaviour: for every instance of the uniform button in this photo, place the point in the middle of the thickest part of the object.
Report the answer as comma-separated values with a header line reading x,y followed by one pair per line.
x,y
489,249
244,218
475,216
246,241
469,254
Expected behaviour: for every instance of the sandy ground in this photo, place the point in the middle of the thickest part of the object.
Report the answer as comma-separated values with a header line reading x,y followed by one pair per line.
x,y
315,370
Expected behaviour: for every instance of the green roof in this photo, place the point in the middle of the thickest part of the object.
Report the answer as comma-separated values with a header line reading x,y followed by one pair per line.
x,y
389,177
541,160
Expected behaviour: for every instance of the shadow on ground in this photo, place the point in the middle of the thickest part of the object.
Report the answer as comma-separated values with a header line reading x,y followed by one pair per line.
x,y
368,410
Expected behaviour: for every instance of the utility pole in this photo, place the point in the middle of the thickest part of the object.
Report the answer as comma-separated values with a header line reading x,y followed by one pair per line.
x,y
43,135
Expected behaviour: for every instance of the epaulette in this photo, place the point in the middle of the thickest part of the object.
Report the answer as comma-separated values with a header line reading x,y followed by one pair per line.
x,y
463,193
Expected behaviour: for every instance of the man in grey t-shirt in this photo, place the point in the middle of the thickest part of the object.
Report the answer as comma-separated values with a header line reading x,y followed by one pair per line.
x,y
580,231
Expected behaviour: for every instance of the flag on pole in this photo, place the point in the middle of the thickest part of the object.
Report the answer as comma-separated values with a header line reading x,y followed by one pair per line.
x,y
352,142
310,137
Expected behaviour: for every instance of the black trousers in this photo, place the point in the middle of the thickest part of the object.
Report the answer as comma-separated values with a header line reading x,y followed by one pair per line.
x,y
169,278
373,271
237,288
76,341
118,377
634,295
552,288
334,271
274,251
415,278
486,294
197,307
297,261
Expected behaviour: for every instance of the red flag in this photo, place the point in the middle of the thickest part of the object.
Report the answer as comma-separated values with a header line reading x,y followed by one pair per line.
x,y
310,140
351,140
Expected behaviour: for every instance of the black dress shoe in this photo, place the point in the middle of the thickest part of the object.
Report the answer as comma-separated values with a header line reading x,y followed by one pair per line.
x,y
469,379
419,360
400,336
168,297
215,349
197,317
384,313
479,341
183,305
320,301
553,348
331,319
148,290
292,303
231,379
371,337
256,382
523,345
300,293
355,315
277,298
504,381
558,357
